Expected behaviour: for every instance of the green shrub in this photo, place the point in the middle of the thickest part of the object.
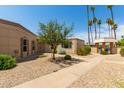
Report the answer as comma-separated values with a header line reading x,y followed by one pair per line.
x,y
104,52
67,57
88,49
84,51
122,51
81,51
6,62
62,52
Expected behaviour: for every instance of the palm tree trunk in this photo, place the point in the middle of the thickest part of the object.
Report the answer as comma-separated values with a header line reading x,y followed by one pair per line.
x,y
95,31
88,25
95,26
115,34
112,14
109,30
99,31
113,21
91,35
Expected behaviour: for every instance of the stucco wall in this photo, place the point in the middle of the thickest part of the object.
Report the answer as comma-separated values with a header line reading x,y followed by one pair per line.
x,y
76,44
10,39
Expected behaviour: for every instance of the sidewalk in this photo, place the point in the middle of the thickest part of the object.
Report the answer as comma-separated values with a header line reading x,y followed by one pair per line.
x,y
62,78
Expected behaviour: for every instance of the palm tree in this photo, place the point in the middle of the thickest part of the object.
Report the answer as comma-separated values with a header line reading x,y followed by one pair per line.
x,y
87,24
93,10
114,27
111,23
108,22
110,8
90,24
94,20
99,24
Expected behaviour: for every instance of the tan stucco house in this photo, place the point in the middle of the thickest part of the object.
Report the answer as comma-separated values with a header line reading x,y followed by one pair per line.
x,y
70,48
16,40
75,44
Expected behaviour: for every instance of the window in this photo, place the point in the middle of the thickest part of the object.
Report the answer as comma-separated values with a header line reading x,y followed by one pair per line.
x,y
69,45
25,45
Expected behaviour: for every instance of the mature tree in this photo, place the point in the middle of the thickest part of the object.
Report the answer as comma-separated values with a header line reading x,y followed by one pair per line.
x,y
99,24
93,10
54,34
94,20
108,22
111,24
114,27
111,10
88,25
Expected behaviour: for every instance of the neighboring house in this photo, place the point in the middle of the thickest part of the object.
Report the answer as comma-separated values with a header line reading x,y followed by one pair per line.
x,y
70,48
73,46
16,40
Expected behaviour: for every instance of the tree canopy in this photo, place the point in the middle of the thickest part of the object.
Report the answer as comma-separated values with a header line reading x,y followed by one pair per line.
x,y
54,34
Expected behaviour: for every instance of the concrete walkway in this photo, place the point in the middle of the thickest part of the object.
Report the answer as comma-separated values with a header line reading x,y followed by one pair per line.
x,y
63,78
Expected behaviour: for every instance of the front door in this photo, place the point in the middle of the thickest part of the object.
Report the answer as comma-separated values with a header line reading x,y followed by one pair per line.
x,y
33,47
24,47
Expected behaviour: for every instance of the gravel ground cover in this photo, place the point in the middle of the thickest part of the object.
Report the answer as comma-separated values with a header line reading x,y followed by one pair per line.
x,y
104,75
28,70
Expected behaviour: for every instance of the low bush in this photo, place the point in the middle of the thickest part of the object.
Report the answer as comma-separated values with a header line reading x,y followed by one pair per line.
x,y
88,49
84,51
7,62
67,57
62,52
122,51
104,52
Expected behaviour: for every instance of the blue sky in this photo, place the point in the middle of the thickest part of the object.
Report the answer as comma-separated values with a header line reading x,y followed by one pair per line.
x,y
30,16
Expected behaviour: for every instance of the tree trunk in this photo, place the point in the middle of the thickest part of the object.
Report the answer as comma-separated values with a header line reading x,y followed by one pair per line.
x,y
91,35
88,25
95,31
109,30
53,52
112,14
113,21
95,26
99,31
54,56
115,34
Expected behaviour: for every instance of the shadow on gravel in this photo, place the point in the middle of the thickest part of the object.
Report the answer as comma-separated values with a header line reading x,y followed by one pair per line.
x,y
27,59
66,63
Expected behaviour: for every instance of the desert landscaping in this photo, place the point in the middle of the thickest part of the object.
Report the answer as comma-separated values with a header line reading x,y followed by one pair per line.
x,y
31,69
